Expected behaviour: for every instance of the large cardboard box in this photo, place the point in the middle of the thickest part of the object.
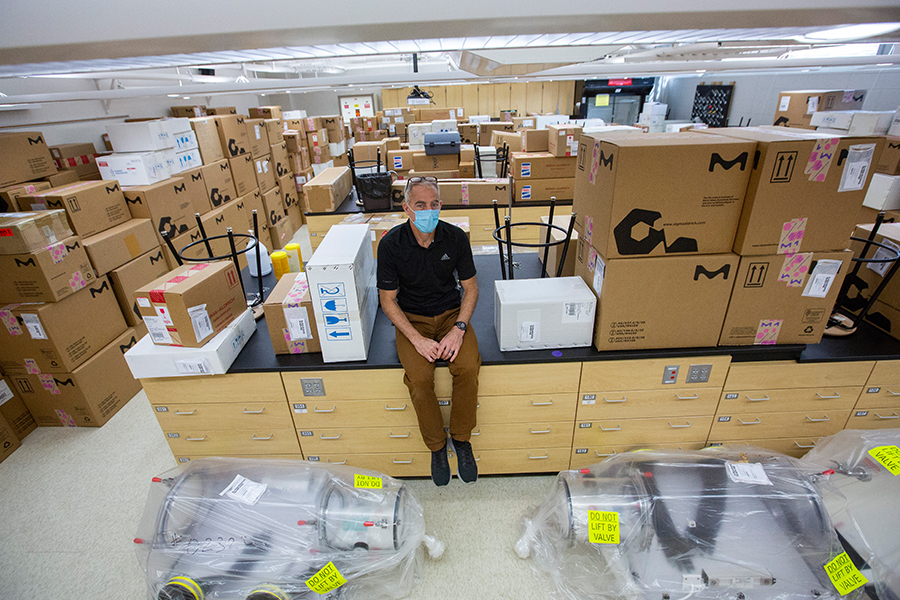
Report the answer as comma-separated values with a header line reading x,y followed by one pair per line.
x,y
232,133
852,122
341,277
888,163
139,136
486,130
796,108
265,173
423,162
282,232
61,178
400,160
258,137
468,133
326,191
563,140
207,139
333,123
196,188
805,189
511,140
279,162
133,275
221,110
9,441
783,299
465,192
115,247
9,195
89,395
24,156
660,194
542,165
657,301
14,411
525,123
530,190
275,130
219,182
45,275
56,337
273,201
216,222
243,175
91,206
78,157
167,204
198,110
192,303
24,232
265,112
290,316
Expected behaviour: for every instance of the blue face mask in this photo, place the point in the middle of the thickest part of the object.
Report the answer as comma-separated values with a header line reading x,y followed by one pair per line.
x,y
426,220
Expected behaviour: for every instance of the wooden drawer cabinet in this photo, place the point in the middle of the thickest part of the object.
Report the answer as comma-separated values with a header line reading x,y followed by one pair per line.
x,y
317,414
498,436
761,425
224,415
233,442
791,446
874,418
522,409
648,374
242,387
887,396
360,440
792,375
185,458
784,400
629,432
530,460
506,380
581,457
395,464
635,404
359,384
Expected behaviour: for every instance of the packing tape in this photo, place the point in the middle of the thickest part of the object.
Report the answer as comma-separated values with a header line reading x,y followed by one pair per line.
x,y
795,267
792,236
133,246
465,193
820,159
49,383
76,282
31,367
57,252
64,418
767,332
588,229
10,321
295,347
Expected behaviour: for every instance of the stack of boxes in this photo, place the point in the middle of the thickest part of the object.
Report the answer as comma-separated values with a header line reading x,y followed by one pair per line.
x,y
148,152
884,191
796,108
542,175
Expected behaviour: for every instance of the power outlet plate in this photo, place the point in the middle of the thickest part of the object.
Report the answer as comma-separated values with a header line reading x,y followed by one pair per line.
x,y
312,386
699,373
670,375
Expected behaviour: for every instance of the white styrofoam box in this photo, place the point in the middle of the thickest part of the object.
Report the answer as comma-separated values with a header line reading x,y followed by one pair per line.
x,y
655,109
535,314
189,160
132,168
587,122
185,140
293,114
341,276
338,148
894,129
544,121
443,125
488,164
146,359
480,119
854,122
175,125
883,192
141,136
320,167
416,133
169,159
608,128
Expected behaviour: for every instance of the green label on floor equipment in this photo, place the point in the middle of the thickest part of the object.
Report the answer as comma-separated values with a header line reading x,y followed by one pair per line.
x,y
844,575
603,527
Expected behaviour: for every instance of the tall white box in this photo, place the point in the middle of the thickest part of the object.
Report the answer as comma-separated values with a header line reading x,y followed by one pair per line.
x,y
537,314
142,136
341,276
416,133
545,121
444,125
883,192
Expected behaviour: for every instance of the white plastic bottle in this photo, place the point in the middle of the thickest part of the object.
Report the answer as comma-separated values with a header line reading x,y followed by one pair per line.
x,y
264,261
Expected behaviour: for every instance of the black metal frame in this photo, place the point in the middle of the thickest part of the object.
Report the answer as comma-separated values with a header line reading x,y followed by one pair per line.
x,y
502,158
354,164
507,226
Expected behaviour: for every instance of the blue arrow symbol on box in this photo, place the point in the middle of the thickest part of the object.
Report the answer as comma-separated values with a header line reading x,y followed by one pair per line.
x,y
336,334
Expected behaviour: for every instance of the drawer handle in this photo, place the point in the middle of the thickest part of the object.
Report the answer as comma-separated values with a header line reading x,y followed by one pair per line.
x,y
613,453
536,432
808,418
602,428
195,439
799,445
763,399
386,407
533,403
694,397
401,462
398,436
474,433
343,462
539,457
185,413
322,437
254,437
828,397
756,422
892,393
679,426
315,409
893,416
624,398
254,412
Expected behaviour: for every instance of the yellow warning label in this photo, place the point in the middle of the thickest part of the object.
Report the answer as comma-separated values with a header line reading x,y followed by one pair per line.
x,y
601,100
888,456
844,575
603,527
327,579
368,482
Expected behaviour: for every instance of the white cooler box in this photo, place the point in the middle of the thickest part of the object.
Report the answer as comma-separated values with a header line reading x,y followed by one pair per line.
x,y
536,314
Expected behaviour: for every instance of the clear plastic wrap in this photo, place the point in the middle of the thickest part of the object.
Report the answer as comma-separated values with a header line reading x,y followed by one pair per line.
x,y
230,528
736,523
862,497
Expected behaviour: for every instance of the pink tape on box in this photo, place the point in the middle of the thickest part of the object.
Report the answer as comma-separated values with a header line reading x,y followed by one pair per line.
x,y
791,236
795,268
767,332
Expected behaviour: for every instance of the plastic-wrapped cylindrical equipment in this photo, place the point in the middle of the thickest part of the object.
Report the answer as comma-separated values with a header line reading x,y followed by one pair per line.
x,y
245,529
735,523
862,497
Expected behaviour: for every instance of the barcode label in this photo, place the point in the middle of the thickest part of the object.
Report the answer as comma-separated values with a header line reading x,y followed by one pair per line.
x,y
194,367
157,330
578,312
5,392
200,320
35,329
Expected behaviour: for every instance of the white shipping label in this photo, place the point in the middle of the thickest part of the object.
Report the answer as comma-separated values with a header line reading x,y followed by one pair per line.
x,y
48,233
298,323
459,112
156,327
821,278
144,302
33,323
244,490
163,313
266,166
858,162
256,127
812,105
5,392
530,331
578,312
883,253
198,366
599,273
200,320
747,473
258,167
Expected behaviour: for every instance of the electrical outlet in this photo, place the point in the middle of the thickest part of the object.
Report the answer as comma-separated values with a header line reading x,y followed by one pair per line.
x,y
312,386
671,374
699,373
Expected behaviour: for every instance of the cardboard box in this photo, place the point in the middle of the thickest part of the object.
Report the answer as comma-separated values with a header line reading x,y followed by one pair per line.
x,y
196,188
485,131
341,277
279,160
796,108
530,190
273,200
134,168
326,191
888,163
148,360
538,314
131,276
81,153
219,181
883,192
783,299
433,114
188,111
91,206
192,303
435,162
275,130
657,301
466,170
317,138
115,247
293,140
810,209
554,253
400,160
869,215
335,124
265,112
258,137
321,155
89,395
24,232
168,205
232,132
207,139
216,222
468,133
435,174
524,124
61,178
9,441
290,317
542,165
14,411
139,136
48,274
56,337
9,195
221,110
243,175
563,140
289,195
513,141
265,173
464,192
282,232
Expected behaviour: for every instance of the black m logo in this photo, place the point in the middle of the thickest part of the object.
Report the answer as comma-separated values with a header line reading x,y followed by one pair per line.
x,y
197,177
135,200
66,382
223,167
157,258
112,189
54,203
38,140
123,348
716,159
240,120
500,188
220,219
179,188
30,261
95,292
858,98
74,246
890,145
701,270
607,162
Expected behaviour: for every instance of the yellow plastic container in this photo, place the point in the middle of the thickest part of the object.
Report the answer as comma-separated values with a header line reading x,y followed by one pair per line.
x,y
295,258
280,263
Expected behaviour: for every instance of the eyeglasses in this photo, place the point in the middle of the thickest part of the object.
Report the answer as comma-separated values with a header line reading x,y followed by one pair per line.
x,y
426,179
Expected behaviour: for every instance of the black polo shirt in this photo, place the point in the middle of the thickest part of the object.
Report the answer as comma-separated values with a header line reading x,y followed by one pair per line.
x,y
424,276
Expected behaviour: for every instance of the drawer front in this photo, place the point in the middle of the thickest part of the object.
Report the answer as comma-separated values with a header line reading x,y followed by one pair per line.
x,y
505,380
360,440
361,384
186,458
833,398
395,464
240,387
648,374
530,460
879,397
498,436
805,424
636,404
482,234
235,442
225,415
786,374
795,447
525,409
318,414
477,216
319,225
582,457
885,372
629,432
874,418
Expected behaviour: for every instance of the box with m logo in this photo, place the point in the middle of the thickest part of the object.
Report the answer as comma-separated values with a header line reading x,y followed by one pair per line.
x,y
46,275
24,156
92,206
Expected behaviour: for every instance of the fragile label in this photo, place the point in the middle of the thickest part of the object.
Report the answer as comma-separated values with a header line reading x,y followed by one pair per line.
x,y
33,324
747,473
327,579
859,159
791,236
820,160
577,312
821,279
200,320
5,393
888,456
603,527
244,490
529,331
767,332
844,575
526,192
794,269
369,482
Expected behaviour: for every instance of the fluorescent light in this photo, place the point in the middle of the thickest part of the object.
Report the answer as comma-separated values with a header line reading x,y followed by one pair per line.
x,y
851,32
186,98
172,95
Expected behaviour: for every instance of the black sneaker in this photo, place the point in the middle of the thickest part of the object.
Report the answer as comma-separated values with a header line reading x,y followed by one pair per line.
x,y
466,467
440,468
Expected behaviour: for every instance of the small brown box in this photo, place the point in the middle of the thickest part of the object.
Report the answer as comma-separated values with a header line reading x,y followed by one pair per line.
x,y
290,317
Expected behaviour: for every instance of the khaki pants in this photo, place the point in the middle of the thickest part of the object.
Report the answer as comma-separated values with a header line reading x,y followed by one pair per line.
x,y
419,378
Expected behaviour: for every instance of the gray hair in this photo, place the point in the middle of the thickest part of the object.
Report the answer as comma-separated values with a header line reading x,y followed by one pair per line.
x,y
414,183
